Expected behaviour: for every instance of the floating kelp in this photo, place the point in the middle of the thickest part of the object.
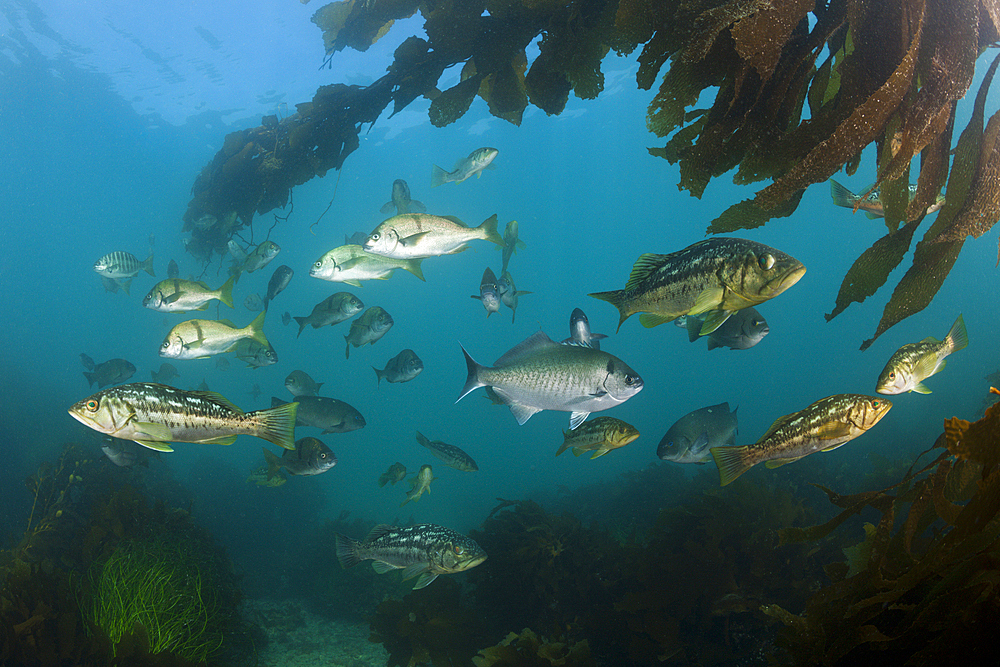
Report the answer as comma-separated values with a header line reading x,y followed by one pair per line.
x,y
925,580
529,650
892,76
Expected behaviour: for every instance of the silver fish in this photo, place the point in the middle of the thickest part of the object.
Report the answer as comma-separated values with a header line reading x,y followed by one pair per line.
x,y
401,201
479,159
261,256
540,374
418,235
119,264
579,331
511,244
691,436
489,293
509,293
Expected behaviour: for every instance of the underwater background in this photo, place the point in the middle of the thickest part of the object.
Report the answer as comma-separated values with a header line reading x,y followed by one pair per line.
x,y
111,110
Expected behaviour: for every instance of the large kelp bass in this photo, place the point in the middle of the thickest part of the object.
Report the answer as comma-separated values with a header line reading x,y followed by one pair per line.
x,y
714,278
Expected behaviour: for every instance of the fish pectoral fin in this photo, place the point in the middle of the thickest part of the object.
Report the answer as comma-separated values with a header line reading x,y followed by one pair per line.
x,y
700,443
714,320
833,447
382,568
425,579
521,412
834,429
221,440
152,431
777,463
598,394
415,569
650,320
154,444
600,452
928,366
577,418
872,216
921,388
708,299
412,239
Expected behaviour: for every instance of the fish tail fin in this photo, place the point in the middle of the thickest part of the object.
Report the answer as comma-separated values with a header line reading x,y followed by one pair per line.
x,y
438,176
347,551
257,331
422,439
383,479
413,266
472,382
273,463
226,291
489,226
957,337
301,321
732,462
616,298
125,285
147,265
90,378
841,195
565,444
378,374
277,424
347,350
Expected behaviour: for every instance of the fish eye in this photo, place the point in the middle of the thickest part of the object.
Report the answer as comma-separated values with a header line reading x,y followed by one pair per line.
x,y
166,344
92,405
876,403
458,549
892,375
629,379
317,264
766,262
373,237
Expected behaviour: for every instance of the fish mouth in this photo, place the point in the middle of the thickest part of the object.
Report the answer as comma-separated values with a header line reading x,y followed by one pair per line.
x,y
785,280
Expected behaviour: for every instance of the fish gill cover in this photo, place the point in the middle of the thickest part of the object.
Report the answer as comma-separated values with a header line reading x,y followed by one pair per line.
x,y
801,88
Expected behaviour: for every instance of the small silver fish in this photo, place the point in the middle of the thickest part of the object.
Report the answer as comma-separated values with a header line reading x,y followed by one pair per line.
x,y
479,159
489,293
579,331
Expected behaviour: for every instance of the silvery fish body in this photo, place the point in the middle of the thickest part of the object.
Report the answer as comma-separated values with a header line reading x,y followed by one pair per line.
x,y
261,256
120,264
351,264
400,200
479,159
198,339
154,415
579,331
540,374
823,426
509,293
511,244
452,456
178,296
418,235
425,550
402,368
691,436
489,293
714,278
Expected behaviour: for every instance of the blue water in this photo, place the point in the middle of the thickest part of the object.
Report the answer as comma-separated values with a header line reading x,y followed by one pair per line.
x,y
101,143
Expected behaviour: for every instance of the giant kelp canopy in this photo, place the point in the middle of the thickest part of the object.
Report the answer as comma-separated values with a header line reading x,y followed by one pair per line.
x,y
800,88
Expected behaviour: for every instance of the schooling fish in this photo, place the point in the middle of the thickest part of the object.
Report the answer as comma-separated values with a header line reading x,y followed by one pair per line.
x,y
112,371
278,282
329,414
368,328
402,368
334,309
915,362
511,244
198,339
579,331
540,374
395,473
154,415
509,293
418,235
119,264
425,550
300,384
714,278
419,484
261,256
489,293
310,457
400,200
350,264
823,426
178,296
479,159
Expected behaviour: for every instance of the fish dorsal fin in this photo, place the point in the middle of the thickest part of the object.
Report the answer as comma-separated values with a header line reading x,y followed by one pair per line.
x,y
650,320
228,323
647,264
533,343
454,219
778,423
930,339
378,531
833,429
218,399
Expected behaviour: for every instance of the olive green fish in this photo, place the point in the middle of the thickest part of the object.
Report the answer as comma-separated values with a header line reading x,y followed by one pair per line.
x,y
479,159
715,278
452,456
599,435
418,235
423,550
262,476
395,473
823,426
179,296
913,363
419,484
154,415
